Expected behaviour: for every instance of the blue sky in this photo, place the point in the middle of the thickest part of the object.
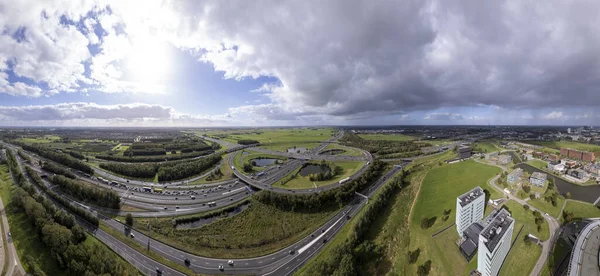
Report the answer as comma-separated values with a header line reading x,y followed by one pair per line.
x,y
207,63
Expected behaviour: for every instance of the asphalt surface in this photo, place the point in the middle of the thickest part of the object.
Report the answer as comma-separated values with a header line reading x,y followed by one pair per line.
x,y
287,259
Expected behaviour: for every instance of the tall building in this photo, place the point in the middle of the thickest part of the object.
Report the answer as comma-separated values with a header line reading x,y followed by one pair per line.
x,y
569,130
494,243
469,209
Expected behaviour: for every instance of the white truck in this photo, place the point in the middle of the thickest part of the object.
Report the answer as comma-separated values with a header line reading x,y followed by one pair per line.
x,y
344,180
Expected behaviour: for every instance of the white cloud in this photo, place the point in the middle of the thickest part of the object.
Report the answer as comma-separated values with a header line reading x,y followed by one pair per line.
x,y
554,115
91,114
443,116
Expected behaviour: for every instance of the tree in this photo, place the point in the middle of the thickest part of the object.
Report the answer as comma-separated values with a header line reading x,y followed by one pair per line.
x,y
526,188
413,256
532,196
424,268
526,207
129,220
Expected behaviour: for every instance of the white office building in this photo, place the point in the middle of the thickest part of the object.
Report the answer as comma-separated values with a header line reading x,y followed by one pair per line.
x,y
469,209
494,243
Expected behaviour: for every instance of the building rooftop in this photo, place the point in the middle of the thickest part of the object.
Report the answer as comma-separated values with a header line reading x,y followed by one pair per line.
x,y
539,175
471,239
493,232
471,195
515,172
554,163
464,148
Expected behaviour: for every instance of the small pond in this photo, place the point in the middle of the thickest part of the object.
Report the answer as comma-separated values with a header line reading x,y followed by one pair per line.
x,y
263,162
313,169
204,221
297,150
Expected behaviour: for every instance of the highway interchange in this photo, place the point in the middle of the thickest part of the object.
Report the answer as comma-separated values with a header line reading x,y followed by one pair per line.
x,y
282,262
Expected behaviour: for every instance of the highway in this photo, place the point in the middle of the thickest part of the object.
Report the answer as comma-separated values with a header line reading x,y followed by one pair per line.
x,y
286,259
278,263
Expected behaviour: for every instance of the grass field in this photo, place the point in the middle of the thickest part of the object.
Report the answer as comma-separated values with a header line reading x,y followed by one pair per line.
x,y
566,144
288,145
347,151
547,207
439,190
225,169
522,257
24,234
487,146
301,182
538,164
275,135
259,230
388,137
582,209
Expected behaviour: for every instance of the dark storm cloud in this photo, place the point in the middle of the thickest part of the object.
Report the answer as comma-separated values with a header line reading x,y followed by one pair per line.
x,y
348,57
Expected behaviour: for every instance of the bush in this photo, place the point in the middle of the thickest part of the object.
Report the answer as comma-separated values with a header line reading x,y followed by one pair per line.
x,y
129,219
424,268
413,256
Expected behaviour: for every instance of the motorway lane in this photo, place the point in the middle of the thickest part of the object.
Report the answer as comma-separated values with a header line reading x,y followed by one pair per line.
x,y
266,184
137,259
312,249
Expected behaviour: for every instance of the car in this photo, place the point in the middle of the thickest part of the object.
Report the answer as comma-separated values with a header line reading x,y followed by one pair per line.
x,y
118,220
324,240
292,252
187,261
165,208
9,234
158,271
231,198
132,235
221,267
176,198
176,207
230,262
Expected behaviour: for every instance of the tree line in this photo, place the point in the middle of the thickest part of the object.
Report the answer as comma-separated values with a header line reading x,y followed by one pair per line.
x,y
53,168
61,235
331,198
83,192
24,156
347,258
187,169
82,213
61,158
247,142
131,170
143,159
330,171
383,148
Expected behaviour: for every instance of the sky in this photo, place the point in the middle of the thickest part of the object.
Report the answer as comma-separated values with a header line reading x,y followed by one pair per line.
x,y
194,63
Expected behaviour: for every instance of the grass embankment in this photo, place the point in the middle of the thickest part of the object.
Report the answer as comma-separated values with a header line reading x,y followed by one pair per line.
x,y
347,151
580,210
387,137
538,164
486,146
24,235
226,172
523,256
566,144
303,182
289,145
259,230
390,231
281,135
542,204
439,190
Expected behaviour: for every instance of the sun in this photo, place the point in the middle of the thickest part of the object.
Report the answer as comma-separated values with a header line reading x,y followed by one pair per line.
x,y
149,62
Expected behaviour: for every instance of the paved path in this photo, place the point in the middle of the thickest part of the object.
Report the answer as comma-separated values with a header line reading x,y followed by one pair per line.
x,y
14,264
553,226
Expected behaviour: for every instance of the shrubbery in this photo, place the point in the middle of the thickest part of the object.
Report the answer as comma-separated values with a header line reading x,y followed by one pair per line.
x,y
61,158
48,166
131,170
100,197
